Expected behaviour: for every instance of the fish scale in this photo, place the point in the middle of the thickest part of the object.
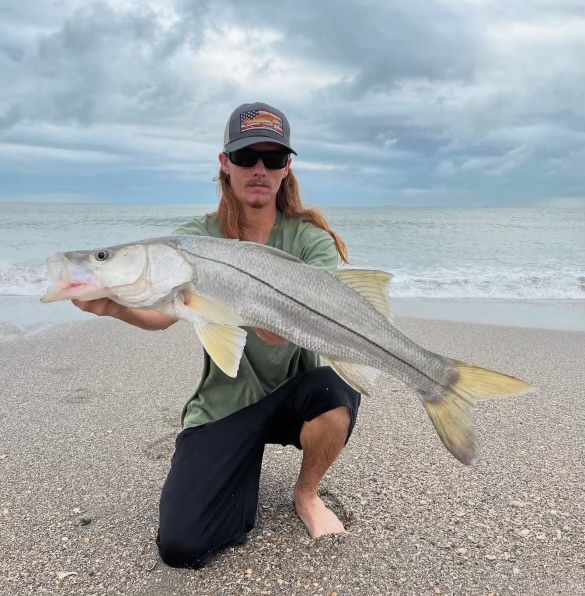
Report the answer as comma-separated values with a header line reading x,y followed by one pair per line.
x,y
286,298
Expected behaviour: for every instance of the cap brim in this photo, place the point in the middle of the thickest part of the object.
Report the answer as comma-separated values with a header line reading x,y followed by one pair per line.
x,y
241,143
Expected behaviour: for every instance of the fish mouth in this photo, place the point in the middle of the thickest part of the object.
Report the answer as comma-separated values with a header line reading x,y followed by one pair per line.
x,y
68,281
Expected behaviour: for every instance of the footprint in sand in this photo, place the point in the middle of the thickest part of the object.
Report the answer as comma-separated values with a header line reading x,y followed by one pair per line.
x,y
61,371
161,448
78,395
171,417
344,514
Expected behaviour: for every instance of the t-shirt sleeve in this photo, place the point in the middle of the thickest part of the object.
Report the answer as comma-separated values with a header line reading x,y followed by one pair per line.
x,y
191,228
322,252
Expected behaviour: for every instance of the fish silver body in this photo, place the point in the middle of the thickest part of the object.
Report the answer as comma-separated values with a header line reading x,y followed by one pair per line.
x,y
343,315
311,308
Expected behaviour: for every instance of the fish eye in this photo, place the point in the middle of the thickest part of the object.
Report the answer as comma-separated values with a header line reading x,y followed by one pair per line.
x,y
101,255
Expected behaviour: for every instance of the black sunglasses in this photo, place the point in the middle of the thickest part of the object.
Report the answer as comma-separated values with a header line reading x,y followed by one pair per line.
x,y
247,158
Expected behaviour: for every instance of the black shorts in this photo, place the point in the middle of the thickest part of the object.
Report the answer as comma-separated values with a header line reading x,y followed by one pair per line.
x,y
210,498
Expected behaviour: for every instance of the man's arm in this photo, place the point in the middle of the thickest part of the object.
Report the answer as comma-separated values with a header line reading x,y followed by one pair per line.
x,y
145,319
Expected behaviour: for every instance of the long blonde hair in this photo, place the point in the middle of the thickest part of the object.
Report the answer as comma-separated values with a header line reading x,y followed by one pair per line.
x,y
288,200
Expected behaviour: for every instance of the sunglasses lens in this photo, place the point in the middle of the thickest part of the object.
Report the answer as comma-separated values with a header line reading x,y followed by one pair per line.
x,y
275,160
243,158
246,158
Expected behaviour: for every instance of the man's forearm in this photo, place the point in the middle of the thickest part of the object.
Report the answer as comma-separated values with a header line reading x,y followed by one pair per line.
x,y
146,319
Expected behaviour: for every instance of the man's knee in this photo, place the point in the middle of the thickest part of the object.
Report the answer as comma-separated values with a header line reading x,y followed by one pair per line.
x,y
337,419
186,551
192,550
177,551
333,423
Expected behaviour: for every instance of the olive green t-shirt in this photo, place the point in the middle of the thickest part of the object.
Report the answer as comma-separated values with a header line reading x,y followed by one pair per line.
x,y
263,368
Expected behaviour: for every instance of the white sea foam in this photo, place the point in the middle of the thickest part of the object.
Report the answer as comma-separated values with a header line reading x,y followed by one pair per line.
x,y
516,284
22,280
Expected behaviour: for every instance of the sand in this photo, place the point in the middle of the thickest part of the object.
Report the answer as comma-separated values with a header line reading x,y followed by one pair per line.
x,y
88,416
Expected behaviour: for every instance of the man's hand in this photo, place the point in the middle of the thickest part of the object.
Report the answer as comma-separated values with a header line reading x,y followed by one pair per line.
x,y
102,307
270,338
145,319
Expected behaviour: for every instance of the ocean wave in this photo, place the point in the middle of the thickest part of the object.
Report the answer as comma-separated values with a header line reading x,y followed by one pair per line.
x,y
511,284
31,280
22,280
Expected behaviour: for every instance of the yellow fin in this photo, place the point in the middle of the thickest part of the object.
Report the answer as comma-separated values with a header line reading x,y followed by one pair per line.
x,y
482,383
358,376
371,284
224,344
452,415
211,310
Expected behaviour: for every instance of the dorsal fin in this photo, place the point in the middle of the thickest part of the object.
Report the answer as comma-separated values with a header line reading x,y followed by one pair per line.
x,y
371,284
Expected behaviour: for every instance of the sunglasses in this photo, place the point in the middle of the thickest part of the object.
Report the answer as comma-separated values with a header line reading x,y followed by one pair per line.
x,y
247,158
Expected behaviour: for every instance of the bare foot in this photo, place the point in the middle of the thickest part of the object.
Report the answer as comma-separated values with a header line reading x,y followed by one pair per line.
x,y
319,520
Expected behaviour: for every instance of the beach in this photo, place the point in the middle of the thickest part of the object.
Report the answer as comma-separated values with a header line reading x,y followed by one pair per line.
x,y
89,411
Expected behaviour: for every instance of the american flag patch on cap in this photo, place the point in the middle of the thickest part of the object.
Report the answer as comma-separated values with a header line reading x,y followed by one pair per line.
x,y
260,119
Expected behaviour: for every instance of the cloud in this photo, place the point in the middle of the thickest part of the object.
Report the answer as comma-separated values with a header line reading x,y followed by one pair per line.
x,y
10,116
13,151
494,165
382,97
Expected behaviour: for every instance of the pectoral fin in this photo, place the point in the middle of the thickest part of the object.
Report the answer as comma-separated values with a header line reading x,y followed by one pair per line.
x,y
355,375
224,343
212,310
371,285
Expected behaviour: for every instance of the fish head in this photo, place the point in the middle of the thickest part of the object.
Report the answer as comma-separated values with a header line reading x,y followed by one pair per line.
x,y
92,274
140,274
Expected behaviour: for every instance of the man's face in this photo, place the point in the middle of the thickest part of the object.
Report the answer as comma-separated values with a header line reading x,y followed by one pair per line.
x,y
255,186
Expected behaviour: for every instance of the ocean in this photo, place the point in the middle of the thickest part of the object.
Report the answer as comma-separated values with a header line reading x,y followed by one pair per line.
x,y
501,266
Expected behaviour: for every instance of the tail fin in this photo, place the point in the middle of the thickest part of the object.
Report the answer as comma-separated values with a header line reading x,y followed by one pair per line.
x,y
452,416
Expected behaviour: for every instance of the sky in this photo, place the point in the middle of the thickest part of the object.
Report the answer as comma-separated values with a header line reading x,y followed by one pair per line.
x,y
420,103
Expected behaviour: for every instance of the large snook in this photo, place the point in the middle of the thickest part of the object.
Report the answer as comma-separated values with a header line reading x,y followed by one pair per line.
x,y
343,315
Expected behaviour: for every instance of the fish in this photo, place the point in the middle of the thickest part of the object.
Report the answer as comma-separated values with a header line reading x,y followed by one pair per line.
x,y
221,286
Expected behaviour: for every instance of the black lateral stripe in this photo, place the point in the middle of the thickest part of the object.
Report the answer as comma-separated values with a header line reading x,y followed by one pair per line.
x,y
327,318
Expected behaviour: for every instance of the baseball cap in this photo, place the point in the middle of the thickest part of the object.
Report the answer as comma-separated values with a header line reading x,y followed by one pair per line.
x,y
253,123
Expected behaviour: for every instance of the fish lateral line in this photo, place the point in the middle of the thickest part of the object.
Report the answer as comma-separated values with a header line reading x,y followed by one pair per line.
x,y
326,317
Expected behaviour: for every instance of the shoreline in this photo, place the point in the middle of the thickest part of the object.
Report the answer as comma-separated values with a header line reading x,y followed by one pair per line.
x,y
90,413
560,315
24,316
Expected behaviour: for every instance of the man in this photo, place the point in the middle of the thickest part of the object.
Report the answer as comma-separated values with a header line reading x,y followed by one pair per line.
x,y
281,394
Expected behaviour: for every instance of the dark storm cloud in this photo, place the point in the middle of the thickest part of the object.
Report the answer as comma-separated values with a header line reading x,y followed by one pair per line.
x,y
101,64
382,42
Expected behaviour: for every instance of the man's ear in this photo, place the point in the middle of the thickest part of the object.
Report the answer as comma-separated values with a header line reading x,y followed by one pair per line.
x,y
288,165
225,163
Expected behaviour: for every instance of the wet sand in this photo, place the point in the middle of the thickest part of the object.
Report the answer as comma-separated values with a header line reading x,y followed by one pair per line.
x,y
88,416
